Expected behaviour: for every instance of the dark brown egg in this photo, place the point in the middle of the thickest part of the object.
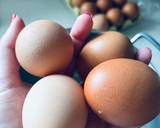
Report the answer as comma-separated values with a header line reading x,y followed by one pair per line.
x,y
103,5
120,2
123,92
131,10
88,7
77,3
100,22
115,16
107,46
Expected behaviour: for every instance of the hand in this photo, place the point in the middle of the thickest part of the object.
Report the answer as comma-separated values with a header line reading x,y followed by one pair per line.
x,y
12,89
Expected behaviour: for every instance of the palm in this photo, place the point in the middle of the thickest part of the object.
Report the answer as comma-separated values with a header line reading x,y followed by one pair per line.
x,y
11,105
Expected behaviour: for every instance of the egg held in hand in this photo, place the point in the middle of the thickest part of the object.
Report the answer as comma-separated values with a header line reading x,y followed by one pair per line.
x,y
56,101
109,45
44,47
123,92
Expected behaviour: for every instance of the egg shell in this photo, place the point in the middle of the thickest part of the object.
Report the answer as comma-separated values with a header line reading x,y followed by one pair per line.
x,y
103,5
44,47
88,7
123,92
115,16
107,46
131,10
56,101
100,22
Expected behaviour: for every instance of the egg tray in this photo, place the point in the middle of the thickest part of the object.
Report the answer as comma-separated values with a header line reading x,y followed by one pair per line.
x,y
128,23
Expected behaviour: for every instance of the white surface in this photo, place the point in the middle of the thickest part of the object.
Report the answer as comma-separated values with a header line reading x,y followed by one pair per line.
x,y
56,10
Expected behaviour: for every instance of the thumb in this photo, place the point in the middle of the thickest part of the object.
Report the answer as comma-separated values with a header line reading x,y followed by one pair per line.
x,y
144,55
80,30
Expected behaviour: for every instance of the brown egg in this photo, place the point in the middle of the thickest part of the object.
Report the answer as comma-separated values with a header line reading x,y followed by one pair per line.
x,y
115,16
77,3
88,7
123,92
103,5
131,10
120,2
100,22
55,101
44,47
107,46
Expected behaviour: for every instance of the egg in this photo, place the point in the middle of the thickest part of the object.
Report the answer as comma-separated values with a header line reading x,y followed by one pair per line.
x,y
44,47
115,16
107,46
103,5
100,22
56,101
131,10
77,3
88,7
123,92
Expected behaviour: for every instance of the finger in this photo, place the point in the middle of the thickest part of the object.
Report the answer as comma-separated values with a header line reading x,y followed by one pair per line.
x,y
144,55
9,38
9,66
80,30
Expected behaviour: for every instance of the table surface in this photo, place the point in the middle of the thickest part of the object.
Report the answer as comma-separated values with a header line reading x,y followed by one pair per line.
x,y
57,10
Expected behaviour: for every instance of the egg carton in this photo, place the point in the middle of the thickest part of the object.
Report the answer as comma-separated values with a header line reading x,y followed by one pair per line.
x,y
127,24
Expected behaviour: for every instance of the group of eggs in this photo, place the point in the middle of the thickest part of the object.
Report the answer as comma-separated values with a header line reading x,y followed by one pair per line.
x,y
108,13
119,90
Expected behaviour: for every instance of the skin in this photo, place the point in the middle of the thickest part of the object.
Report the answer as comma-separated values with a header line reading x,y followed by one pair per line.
x,y
12,89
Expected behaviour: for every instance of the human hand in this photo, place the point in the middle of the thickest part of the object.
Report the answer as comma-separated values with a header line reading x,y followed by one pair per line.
x,y
12,89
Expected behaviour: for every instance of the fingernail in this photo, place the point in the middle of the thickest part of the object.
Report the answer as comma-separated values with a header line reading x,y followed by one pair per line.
x,y
13,17
88,13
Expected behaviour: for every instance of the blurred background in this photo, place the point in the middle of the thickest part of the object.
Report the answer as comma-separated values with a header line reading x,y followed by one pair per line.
x,y
57,10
